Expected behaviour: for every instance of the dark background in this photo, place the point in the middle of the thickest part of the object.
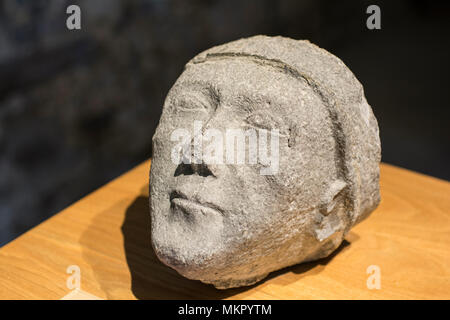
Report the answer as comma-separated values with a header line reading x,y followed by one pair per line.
x,y
78,108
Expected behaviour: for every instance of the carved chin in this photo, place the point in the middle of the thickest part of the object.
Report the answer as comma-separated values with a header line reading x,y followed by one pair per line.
x,y
188,238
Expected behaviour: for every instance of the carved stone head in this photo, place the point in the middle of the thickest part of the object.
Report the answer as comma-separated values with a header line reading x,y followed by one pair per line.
x,y
266,154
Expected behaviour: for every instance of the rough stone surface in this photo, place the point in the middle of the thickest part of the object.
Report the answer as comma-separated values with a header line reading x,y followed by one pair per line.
x,y
228,225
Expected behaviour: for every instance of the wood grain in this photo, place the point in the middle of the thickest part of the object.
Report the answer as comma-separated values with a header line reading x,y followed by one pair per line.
x,y
107,234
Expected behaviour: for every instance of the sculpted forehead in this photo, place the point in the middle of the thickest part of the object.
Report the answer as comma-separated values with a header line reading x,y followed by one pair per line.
x,y
234,82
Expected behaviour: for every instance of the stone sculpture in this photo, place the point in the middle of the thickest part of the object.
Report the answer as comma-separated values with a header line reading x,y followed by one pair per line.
x,y
232,223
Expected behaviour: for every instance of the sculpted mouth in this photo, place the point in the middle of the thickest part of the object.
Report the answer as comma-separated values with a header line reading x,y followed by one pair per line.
x,y
179,200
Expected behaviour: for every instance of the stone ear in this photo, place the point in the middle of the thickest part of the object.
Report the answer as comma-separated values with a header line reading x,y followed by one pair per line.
x,y
332,196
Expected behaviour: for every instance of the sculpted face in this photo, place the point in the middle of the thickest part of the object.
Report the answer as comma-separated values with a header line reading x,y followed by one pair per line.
x,y
204,212
266,154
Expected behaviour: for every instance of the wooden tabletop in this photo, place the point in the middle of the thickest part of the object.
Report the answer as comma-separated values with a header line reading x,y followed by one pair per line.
x,y
404,246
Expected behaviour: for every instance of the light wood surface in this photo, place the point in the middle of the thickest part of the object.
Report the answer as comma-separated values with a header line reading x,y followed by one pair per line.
x,y
107,234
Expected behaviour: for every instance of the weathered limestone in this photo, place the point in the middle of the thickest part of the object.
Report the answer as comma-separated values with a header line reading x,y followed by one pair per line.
x,y
230,225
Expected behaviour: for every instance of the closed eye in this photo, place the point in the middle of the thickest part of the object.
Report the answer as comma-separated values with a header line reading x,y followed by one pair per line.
x,y
265,121
192,105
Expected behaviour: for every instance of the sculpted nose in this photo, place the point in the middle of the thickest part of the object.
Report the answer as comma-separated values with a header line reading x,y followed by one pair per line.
x,y
191,169
192,163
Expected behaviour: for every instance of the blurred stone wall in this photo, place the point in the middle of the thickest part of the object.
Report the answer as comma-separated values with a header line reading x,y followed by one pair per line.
x,y
78,108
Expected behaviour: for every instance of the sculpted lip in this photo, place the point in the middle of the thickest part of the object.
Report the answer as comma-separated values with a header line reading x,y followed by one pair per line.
x,y
188,206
